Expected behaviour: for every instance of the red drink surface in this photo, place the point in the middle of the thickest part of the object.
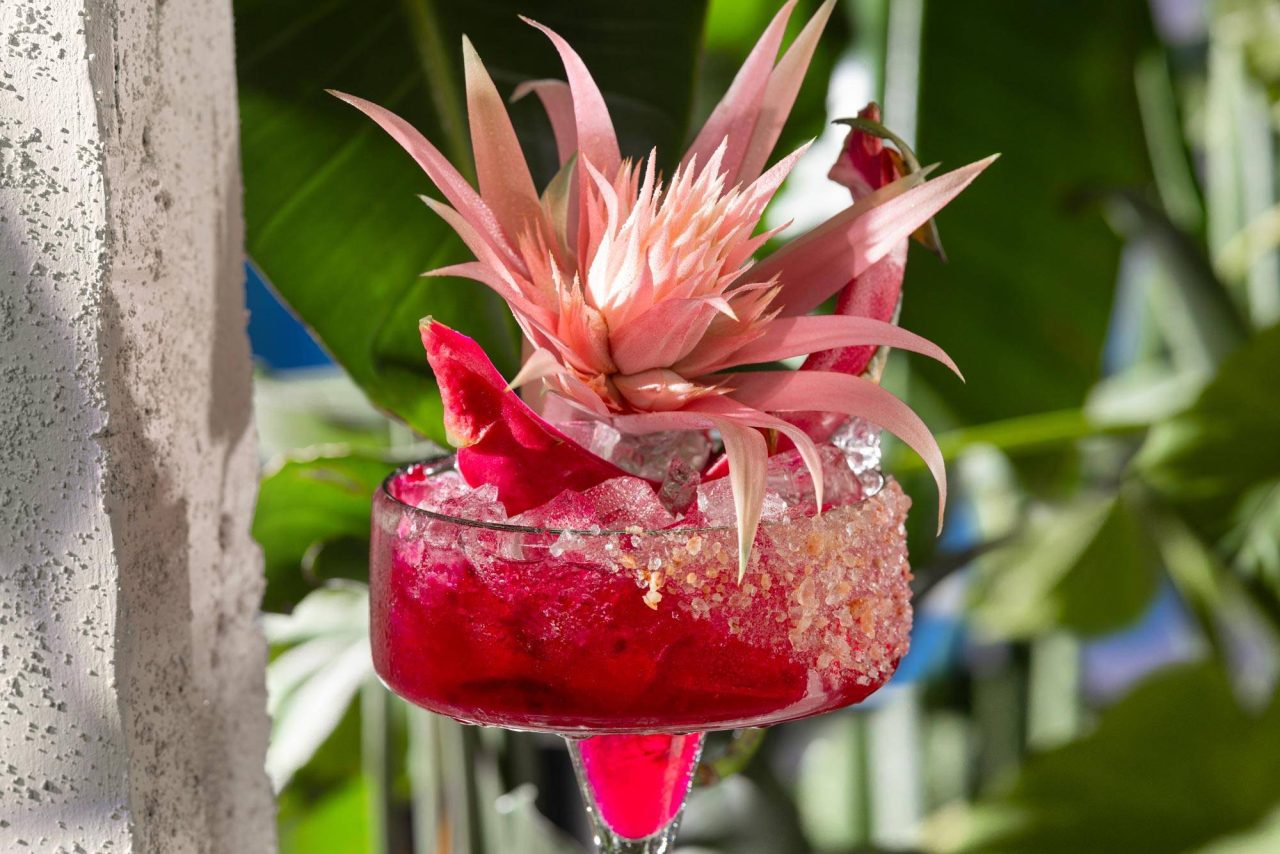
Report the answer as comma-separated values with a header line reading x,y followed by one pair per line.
x,y
638,782
638,633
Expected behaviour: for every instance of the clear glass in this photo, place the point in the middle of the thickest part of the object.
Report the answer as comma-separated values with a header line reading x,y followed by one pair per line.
x,y
627,641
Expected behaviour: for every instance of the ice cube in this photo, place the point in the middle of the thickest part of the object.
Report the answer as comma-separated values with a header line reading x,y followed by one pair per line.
x,y
480,504
789,486
774,508
448,494
679,486
598,437
569,509
419,488
626,501
840,484
715,505
859,440
715,502
650,455
647,455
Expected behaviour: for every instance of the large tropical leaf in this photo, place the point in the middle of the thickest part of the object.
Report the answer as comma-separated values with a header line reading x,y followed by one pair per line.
x,y
1023,304
312,520
330,205
1175,764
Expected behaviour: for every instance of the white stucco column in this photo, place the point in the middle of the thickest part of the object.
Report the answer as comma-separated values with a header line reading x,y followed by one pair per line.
x,y
132,700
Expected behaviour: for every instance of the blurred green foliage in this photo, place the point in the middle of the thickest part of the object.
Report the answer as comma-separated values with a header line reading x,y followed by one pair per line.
x,y
1113,295
1174,765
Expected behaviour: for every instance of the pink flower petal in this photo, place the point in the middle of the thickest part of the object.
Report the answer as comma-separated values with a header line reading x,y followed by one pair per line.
x,y
732,408
864,166
501,170
764,186
748,462
516,271
662,335
746,453
540,364
639,423
797,336
487,276
596,138
500,439
734,118
874,293
798,391
812,268
660,390
780,93
557,100
454,187
573,392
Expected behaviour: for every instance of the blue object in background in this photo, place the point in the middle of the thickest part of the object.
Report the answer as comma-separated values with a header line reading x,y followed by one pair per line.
x,y
938,631
278,339
1164,635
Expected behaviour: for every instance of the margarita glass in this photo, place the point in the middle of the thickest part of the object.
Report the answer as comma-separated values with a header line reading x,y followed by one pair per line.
x,y
633,642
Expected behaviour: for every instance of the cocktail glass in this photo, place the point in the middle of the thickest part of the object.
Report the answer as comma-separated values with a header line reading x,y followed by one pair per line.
x,y
633,643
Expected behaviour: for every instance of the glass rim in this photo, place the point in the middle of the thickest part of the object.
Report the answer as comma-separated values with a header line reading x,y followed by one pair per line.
x,y
441,464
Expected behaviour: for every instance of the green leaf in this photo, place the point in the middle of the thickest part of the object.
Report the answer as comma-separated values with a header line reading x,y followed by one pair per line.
x,y
306,409
1174,765
1260,839
1207,458
1088,567
337,824
1023,304
311,684
330,205
1255,534
312,520
1144,393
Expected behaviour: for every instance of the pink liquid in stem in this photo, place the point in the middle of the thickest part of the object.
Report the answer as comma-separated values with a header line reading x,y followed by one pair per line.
x,y
639,782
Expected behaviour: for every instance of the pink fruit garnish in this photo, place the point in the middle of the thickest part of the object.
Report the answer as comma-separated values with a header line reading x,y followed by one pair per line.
x,y
500,440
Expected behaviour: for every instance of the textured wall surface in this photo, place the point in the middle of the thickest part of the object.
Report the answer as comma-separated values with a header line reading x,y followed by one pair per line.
x,y
133,715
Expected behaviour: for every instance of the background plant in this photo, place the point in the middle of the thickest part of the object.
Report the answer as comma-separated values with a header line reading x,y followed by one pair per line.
x,y
1112,295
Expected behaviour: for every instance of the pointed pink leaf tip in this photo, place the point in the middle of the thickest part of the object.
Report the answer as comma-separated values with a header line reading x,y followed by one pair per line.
x,y
500,440
780,93
796,391
461,195
817,265
597,140
501,170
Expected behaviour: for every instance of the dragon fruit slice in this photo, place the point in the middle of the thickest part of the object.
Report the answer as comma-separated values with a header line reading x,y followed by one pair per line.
x,y
500,440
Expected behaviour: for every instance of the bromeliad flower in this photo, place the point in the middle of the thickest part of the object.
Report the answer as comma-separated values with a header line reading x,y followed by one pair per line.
x,y
639,295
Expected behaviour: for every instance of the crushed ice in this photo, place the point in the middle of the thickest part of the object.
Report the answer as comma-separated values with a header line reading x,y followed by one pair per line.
x,y
850,473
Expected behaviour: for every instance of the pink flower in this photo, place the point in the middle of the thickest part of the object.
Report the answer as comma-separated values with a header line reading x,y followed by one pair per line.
x,y
638,292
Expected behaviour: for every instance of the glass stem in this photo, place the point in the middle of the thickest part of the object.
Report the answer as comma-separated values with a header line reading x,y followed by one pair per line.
x,y
634,787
